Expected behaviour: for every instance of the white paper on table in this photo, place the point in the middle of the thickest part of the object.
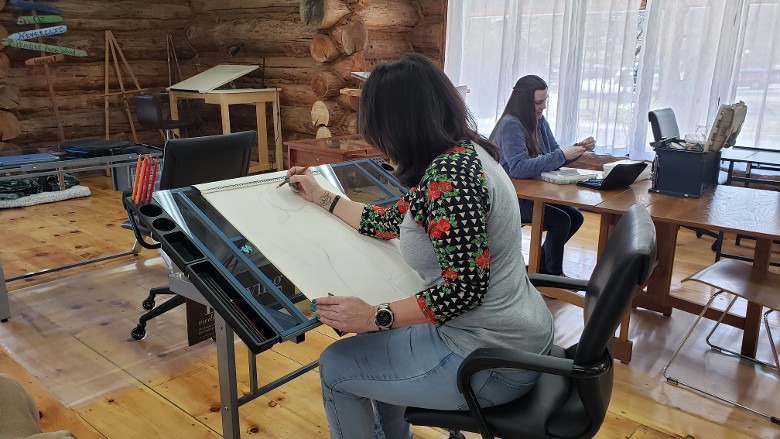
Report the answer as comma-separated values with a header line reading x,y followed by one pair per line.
x,y
314,249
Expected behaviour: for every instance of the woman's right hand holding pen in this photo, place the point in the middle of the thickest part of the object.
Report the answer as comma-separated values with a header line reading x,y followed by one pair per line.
x,y
302,181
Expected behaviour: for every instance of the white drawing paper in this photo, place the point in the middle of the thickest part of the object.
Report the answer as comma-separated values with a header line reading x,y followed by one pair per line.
x,y
314,249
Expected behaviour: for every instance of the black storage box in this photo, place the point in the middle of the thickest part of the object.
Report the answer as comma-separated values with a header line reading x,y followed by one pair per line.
x,y
684,173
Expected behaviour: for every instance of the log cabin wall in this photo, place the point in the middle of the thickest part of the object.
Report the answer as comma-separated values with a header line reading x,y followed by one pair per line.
x,y
78,82
309,49
307,52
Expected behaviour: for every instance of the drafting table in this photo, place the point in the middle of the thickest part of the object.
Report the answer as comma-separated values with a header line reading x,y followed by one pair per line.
x,y
232,276
205,85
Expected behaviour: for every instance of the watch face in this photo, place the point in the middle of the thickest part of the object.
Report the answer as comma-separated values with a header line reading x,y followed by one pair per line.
x,y
384,318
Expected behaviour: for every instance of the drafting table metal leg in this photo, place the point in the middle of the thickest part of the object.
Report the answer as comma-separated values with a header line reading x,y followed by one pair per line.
x,y
5,307
226,366
133,251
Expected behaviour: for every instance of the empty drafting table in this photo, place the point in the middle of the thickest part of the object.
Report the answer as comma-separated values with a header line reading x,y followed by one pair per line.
x,y
205,85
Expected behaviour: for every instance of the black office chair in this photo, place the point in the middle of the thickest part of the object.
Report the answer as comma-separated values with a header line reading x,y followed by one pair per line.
x,y
571,397
188,161
149,113
663,123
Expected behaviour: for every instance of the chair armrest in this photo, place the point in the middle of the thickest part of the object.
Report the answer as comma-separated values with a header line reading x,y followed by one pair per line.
x,y
495,358
502,358
548,280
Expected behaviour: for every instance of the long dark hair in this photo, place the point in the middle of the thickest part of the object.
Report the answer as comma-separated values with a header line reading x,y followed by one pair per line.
x,y
522,106
411,112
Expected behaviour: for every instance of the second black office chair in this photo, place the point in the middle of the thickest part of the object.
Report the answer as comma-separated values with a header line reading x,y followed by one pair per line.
x,y
663,123
149,113
571,397
188,161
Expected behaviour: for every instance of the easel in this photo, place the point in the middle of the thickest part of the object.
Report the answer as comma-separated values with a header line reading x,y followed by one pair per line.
x,y
112,48
174,76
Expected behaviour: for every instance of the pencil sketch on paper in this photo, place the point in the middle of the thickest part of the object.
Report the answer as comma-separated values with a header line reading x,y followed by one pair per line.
x,y
315,250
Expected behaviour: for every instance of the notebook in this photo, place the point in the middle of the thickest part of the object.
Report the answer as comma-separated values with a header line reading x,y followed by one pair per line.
x,y
620,176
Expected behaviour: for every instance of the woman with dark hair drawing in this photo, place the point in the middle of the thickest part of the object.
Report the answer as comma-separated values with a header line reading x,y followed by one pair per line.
x,y
528,148
457,228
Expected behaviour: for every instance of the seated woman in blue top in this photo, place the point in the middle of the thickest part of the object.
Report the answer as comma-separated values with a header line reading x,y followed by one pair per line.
x,y
528,148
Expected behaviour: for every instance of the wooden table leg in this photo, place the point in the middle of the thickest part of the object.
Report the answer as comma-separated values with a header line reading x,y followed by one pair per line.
x,y
262,135
537,224
607,221
174,104
761,258
279,157
660,281
224,110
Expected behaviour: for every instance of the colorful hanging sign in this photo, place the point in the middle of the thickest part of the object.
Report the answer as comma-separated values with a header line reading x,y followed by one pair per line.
x,y
38,33
23,4
39,19
48,59
29,45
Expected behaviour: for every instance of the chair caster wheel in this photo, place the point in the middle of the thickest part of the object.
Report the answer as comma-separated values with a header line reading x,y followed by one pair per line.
x,y
715,246
148,303
139,332
699,234
456,435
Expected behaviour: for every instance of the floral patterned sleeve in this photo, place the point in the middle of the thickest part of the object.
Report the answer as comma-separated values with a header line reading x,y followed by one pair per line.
x,y
452,205
384,222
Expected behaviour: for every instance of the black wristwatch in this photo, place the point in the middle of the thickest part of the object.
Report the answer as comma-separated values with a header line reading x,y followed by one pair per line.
x,y
384,317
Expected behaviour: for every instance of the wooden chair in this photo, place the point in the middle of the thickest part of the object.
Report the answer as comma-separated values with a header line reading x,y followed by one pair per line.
x,y
738,279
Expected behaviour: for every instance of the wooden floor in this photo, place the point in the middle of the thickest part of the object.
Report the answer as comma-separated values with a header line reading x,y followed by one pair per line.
x,y
68,342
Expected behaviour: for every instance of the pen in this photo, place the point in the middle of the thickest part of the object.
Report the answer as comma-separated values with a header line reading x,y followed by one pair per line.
x,y
287,179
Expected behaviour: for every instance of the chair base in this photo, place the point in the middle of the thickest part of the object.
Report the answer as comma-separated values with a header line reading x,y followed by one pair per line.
x,y
139,332
776,366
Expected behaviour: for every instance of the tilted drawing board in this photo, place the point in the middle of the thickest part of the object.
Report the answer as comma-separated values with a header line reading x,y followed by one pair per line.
x,y
314,249
213,78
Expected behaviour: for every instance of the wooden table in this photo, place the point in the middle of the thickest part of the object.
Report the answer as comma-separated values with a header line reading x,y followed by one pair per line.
x,y
746,211
258,97
310,152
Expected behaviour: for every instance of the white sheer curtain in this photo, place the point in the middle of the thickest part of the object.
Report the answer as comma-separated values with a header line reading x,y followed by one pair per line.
x,y
699,54
585,50
608,63
686,62
757,70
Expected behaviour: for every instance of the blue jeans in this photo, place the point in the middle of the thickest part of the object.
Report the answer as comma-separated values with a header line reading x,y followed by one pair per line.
x,y
561,222
408,366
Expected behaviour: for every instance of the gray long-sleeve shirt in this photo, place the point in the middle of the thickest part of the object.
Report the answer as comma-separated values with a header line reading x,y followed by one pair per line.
x,y
509,136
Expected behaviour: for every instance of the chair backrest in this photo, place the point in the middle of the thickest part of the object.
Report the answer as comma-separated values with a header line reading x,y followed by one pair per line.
x,y
663,123
625,265
148,110
194,160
